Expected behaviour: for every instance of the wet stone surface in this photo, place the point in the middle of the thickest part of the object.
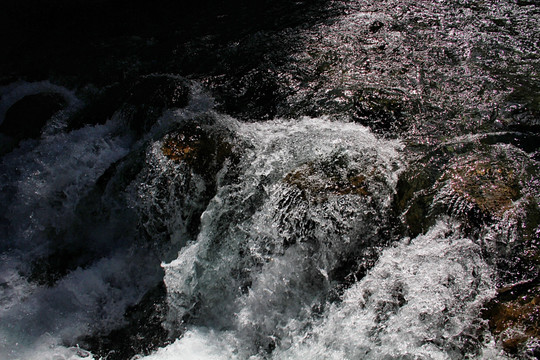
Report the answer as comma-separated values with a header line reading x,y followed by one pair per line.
x,y
314,180
26,118
142,332
139,102
514,318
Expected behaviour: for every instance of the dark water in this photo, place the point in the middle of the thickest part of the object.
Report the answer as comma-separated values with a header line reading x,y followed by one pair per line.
x,y
269,179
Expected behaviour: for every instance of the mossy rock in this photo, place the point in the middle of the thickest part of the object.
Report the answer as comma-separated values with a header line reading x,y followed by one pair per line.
x,y
309,178
487,184
472,182
196,155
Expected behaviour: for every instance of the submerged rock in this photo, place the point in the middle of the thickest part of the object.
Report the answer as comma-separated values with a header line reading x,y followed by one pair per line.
x,y
179,180
492,192
475,183
338,174
26,118
487,186
139,102
343,188
205,152
142,333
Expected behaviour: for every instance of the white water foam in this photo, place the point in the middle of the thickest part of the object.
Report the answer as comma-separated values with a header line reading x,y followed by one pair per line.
x,y
42,183
256,282
46,181
420,301
266,249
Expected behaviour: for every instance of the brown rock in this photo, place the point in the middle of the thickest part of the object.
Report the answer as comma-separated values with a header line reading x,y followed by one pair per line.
x,y
514,316
315,180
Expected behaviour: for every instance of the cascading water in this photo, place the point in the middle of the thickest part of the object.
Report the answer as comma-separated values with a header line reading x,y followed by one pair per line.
x,y
420,300
300,205
271,241
295,180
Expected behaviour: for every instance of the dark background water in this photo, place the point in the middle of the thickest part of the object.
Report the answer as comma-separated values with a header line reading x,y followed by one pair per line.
x,y
107,41
470,66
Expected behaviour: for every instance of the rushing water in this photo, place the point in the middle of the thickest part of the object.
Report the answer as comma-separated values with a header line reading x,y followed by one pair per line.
x,y
264,275
335,180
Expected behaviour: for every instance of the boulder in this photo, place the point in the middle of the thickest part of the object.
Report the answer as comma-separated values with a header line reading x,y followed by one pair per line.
x,y
514,318
490,190
26,118
139,102
472,182
313,179
202,150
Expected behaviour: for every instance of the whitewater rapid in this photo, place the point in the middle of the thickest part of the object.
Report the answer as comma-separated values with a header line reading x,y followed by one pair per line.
x,y
268,273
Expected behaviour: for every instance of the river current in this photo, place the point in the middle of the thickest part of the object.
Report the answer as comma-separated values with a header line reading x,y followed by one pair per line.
x,y
353,180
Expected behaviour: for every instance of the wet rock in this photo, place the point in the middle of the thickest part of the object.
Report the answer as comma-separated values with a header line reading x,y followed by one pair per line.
x,y
142,333
414,193
205,152
476,184
179,180
490,186
517,249
514,318
354,223
379,110
26,118
138,102
312,179
336,175
491,191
